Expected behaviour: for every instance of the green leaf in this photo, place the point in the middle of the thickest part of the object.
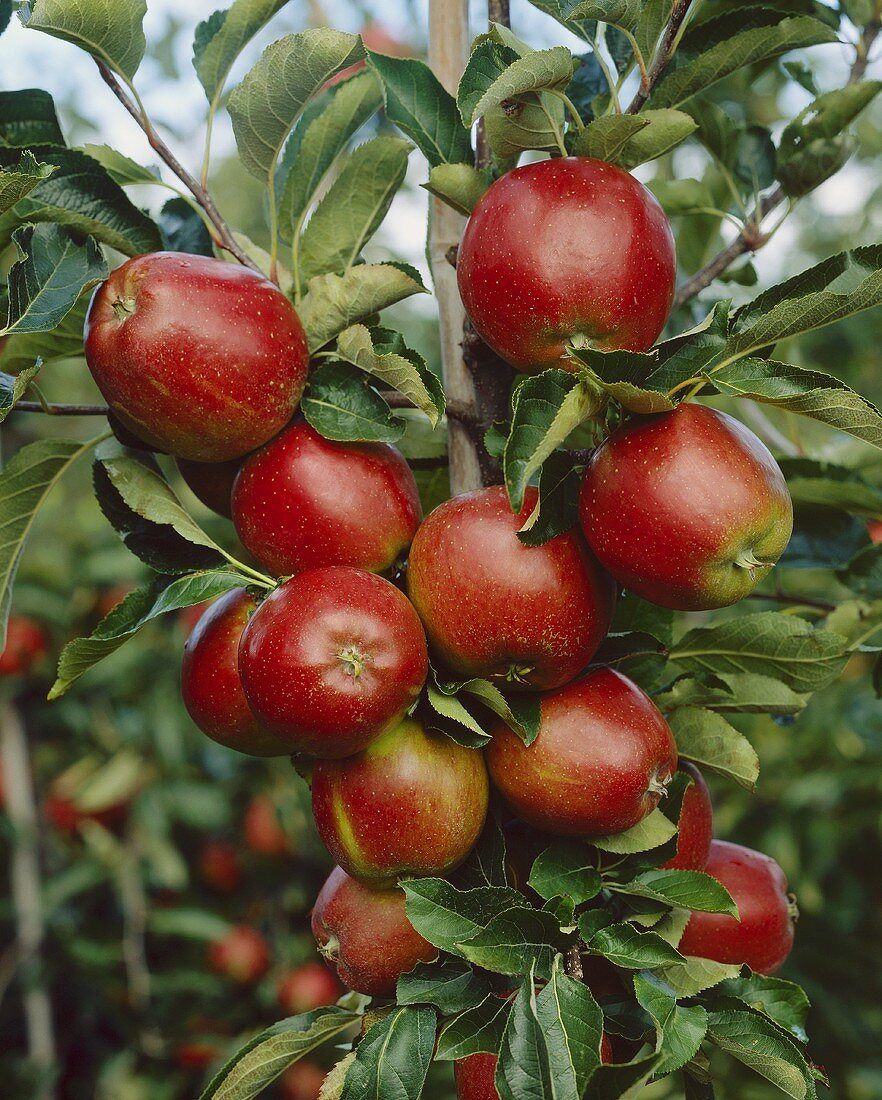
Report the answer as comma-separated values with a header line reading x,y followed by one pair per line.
x,y
618,13
353,207
692,890
758,1044
681,196
51,273
566,868
81,195
693,975
734,52
184,231
383,354
466,729
19,181
653,831
14,387
262,1059
707,739
624,946
780,1000
681,1030
121,169
538,71
5,14
459,185
341,405
606,137
546,407
271,97
769,643
478,1030
221,38
858,621
452,986
863,575
806,392
316,143
520,713
515,941
423,109
620,374
447,917
393,1058
754,165
135,611
572,1029
191,924
557,505
487,863
334,302
666,130
62,344
110,30
25,482
27,121
813,146
624,1082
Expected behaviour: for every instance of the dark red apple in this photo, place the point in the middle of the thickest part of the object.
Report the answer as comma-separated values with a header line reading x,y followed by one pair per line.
x,y
762,937
568,250
412,803
525,616
302,1081
242,955
307,987
303,501
365,935
26,645
696,825
196,1053
220,866
263,828
212,483
475,1075
210,682
332,659
688,509
603,759
201,358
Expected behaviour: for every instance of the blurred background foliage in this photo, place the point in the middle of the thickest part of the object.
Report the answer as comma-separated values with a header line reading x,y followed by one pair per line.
x,y
133,904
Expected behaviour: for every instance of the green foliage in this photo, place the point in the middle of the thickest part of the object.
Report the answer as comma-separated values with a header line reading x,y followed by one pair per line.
x,y
110,30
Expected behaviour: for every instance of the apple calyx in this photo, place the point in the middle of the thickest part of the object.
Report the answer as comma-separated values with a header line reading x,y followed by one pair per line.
x,y
124,308
658,784
792,908
518,674
748,560
331,949
353,660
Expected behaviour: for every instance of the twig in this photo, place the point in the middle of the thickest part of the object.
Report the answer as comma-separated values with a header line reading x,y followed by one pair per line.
x,y
134,909
751,238
792,601
61,410
27,890
573,963
662,58
224,233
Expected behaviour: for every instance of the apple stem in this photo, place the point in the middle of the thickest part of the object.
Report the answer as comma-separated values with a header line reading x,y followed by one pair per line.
x,y
747,560
517,674
124,308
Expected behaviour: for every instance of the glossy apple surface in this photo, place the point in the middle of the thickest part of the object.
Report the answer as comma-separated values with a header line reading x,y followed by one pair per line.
x,y
201,358
302,502
601,762
524,616
412,803
566,250
696,825
332,659
242,955
210,683
364,934
688,509
763,936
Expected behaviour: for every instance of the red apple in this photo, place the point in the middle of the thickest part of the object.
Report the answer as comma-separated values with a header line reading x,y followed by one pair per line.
x,y
76,795
332,659
220,867
696,825
263,829
196,1053
307,987
568,250
688,509
212,483
603,759
302,1081
525,616
762,937
26,646
303,501
475,1075
210,682
198,357
365,935
412,803
242,955
874,530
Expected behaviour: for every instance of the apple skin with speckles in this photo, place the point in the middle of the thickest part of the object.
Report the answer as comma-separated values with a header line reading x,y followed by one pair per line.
x,y
198,357
527,617
364,935
332,659
688,509
412,803
602,759
303,501
566,250
210,683
763,936
696,824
